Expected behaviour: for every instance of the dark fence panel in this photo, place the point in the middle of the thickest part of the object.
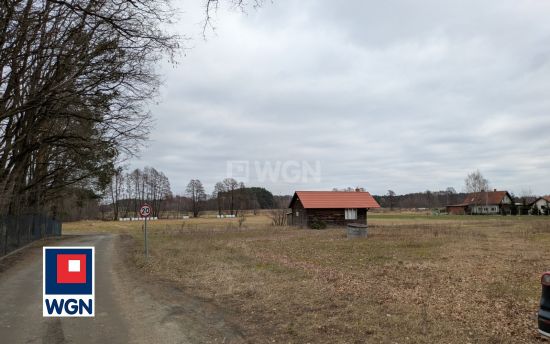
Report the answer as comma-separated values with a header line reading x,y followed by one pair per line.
x,y
16,231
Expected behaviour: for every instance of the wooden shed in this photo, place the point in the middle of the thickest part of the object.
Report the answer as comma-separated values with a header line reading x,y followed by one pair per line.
x,y
331,207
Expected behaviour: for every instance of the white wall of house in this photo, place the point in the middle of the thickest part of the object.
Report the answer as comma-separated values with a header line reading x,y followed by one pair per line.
x,y
541,202
506,200
486,209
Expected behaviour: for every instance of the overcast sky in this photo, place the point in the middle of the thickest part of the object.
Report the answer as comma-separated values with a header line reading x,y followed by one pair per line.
x,y
401,95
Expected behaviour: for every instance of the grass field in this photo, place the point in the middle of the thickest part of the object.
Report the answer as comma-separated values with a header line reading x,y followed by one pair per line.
x,y
415,279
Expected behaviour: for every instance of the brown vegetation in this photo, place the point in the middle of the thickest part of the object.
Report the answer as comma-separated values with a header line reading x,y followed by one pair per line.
x,y
413,280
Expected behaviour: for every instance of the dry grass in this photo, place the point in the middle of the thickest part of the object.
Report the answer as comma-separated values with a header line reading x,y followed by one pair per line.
x,y
413,280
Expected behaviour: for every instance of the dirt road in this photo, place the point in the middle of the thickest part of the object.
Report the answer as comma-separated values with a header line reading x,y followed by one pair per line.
x,y
129,309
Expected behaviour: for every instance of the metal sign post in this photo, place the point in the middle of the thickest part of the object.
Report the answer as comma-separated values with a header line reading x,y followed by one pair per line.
x,y
145,211
146,249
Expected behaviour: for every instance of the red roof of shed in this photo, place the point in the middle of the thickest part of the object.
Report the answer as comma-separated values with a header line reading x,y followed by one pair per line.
x,y
334,199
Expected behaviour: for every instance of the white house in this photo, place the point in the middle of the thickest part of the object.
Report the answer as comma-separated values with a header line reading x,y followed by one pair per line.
x,y
542,203
483,203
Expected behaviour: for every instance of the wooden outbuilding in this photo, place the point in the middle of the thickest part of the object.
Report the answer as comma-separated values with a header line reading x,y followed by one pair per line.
x,y
330,207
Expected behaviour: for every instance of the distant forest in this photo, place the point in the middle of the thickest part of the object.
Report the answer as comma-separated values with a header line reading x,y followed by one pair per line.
x,y
427,199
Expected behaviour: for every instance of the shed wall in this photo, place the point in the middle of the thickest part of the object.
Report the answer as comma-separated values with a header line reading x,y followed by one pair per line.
x,y
335,216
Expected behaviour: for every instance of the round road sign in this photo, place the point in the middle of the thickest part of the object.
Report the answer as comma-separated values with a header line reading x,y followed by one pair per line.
x,y
145,210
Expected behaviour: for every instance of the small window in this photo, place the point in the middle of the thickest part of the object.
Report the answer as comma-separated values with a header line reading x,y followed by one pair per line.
x,y
297,213
351,214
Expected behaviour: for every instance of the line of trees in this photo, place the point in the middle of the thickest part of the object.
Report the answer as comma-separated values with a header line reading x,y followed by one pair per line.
x,y
74,76
474,182
426,199
229,196
128,191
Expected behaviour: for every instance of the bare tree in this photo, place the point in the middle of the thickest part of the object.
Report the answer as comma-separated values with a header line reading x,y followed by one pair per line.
x,y
253,203
391,197
195,191
475,182
211,6
243,201
231,187
128,191
219,195
449,191
115,191
526,197
74,79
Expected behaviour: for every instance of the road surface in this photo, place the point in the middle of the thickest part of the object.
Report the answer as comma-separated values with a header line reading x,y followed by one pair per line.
x,y
128,310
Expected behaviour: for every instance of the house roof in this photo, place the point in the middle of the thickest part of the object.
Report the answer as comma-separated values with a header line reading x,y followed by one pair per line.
x,y
334,199
546,198
490,197
528,200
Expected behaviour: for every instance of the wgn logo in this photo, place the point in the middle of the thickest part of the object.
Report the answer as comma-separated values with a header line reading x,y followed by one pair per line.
x,y
68,282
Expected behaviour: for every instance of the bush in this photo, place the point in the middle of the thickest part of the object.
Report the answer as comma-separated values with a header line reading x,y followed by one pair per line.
x,y
242,219
278,217
317,224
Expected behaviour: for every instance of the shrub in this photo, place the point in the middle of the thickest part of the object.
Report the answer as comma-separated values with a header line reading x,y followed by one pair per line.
x,y
317,224
278,217
242,219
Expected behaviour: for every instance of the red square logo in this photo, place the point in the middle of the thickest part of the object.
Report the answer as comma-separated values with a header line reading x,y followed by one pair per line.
x,y
71,268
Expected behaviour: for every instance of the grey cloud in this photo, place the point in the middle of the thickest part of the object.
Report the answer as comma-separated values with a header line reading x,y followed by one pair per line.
x,y
408,95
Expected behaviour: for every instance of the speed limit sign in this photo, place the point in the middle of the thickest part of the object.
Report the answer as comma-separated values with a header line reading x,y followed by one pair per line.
x,y
145,210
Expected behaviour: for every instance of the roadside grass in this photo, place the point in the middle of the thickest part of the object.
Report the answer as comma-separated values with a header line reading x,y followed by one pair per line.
x,y
469,279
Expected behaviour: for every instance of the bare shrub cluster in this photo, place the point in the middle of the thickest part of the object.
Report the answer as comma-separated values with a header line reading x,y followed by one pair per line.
x,y
278,217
